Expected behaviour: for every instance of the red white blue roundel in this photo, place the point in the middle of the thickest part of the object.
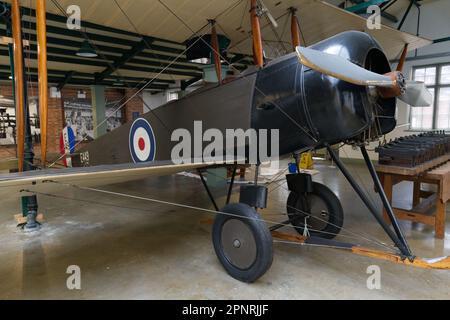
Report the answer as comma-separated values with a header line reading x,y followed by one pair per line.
x,y
142,141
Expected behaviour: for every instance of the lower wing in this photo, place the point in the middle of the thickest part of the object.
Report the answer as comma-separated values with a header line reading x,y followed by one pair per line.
x,y
49,181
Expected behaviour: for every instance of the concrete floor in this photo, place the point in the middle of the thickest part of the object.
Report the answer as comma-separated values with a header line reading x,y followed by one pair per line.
x,y
132,249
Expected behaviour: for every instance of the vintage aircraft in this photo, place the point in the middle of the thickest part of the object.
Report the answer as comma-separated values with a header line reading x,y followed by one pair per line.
x,y
340,90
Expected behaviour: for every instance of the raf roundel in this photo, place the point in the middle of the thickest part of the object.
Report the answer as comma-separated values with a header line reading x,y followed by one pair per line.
x,y
142,141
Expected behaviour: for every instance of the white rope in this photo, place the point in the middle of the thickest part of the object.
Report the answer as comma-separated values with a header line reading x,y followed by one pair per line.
x,y
306,233
305,244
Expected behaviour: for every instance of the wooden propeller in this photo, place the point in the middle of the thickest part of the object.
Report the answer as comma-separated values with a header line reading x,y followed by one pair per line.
x,y
390,85
401,63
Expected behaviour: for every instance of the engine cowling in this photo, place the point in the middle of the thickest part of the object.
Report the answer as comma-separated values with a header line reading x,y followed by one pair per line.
x,y
317,108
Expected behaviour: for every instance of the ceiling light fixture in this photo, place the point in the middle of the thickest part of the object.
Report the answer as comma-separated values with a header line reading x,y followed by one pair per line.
x,y
87,51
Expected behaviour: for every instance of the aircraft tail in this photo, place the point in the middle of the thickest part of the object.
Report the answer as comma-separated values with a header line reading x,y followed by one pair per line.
x,y
67,145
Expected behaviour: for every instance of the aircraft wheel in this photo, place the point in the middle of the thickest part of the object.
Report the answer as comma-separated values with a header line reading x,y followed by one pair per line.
x,y
243,245
321,210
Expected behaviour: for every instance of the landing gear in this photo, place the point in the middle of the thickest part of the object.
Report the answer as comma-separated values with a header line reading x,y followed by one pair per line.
x,y
242,242
320,210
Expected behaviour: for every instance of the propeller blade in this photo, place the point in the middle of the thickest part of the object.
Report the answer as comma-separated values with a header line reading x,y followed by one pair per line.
x,y
417,95
402,60
341,68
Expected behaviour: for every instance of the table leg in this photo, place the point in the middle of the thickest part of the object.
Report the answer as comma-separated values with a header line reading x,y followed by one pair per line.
x,y
387,186
416,193
440,219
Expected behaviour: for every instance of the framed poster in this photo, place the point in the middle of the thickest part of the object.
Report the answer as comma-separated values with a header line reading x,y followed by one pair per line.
x,y
79,116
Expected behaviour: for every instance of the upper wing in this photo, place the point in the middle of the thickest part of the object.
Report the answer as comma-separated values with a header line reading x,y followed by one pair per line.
x,y
49,181
319,20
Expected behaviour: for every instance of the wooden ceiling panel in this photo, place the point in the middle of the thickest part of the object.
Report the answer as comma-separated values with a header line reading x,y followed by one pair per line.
x,y
318,21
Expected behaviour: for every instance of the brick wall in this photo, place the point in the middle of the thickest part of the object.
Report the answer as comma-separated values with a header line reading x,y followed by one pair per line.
x,y
56,123
134,105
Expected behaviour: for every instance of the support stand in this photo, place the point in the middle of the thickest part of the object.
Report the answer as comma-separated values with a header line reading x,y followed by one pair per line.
x,y
32,224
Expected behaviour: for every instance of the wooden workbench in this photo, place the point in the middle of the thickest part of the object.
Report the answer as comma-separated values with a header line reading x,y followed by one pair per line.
x,y
436,172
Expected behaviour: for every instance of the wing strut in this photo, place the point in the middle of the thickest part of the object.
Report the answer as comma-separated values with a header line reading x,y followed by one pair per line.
x,y
257,38
216,51
295,29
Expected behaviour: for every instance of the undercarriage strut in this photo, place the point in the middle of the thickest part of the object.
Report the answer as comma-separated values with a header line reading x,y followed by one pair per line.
x,y
397,237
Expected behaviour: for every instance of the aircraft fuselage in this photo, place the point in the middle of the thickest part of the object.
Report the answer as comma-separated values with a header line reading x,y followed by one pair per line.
x,y
308,108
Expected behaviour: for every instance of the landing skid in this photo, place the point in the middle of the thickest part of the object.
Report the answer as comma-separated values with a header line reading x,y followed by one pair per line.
x,y
442,263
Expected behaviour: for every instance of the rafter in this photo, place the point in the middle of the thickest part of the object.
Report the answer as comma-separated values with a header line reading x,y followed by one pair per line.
x,y
135,50
67,78
4,76
411,3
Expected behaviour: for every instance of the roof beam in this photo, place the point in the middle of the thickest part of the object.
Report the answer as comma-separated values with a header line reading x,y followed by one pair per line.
x,y
389,16
62,19
125,58
182,63
425,57
441,40
97,63
187,83
88,82
362,6
193,68
411,3
67,78
100,37
136,49
56,73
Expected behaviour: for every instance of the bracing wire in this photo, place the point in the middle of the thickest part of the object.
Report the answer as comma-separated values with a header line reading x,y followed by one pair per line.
x,y
146,85
352,235
55,2
304,130
130,98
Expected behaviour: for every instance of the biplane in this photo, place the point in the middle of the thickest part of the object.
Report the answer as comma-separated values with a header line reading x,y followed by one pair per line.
x,y
339,90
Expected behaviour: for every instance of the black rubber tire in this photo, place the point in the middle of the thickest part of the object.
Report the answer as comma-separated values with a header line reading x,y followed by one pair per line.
x,y
261,236
335,212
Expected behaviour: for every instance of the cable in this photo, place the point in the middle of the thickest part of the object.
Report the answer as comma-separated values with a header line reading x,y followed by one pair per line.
x,y
168,203
133,96
231,65
55,2
195,208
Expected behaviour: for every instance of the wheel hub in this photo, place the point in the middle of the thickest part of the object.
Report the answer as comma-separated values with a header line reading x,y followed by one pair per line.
x,y
238,244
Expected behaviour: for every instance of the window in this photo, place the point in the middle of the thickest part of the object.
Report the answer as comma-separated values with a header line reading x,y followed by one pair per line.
x,y
172,96
436,117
